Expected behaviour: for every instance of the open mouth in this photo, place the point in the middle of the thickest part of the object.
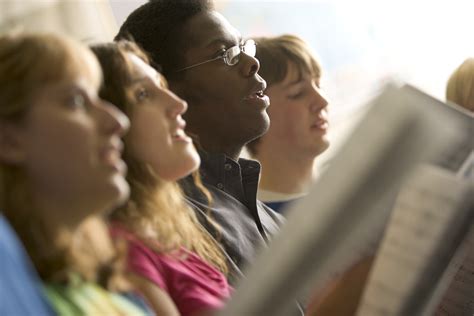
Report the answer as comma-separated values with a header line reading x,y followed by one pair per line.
x,y
320,124
111,155
257,95
180,135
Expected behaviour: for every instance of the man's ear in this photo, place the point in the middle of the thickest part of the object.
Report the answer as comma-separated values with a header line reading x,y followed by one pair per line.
x,y
11,144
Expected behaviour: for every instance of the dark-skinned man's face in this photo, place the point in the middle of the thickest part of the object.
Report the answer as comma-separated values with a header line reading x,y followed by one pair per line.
x,y
226,103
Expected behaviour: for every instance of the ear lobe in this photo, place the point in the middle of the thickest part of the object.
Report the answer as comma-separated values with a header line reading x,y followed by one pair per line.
x,y
11,145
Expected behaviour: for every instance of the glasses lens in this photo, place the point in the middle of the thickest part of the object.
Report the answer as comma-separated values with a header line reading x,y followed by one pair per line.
x,y
250,48
233,55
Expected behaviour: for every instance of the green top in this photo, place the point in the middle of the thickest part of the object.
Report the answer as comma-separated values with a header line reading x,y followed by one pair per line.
x,y
85,298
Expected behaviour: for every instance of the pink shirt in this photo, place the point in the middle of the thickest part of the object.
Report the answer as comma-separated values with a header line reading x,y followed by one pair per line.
x,y
193,284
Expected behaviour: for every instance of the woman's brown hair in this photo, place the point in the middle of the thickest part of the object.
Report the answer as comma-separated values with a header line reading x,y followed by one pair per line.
x,y
157,211
28,62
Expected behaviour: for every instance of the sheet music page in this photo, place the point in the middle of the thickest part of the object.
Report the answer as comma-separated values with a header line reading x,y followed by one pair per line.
x,y
458,298
458,295
429,218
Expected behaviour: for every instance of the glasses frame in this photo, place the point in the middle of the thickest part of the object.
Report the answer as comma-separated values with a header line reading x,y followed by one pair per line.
x,y
225,55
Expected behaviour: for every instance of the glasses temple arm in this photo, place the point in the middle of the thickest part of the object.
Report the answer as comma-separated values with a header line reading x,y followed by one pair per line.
x,y
199,64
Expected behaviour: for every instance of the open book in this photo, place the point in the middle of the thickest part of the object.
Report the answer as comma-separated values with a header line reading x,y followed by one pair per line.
x,y
430,220
425,264
345,214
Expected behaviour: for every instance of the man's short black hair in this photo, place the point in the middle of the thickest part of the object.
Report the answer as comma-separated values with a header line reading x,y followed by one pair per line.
x,y
157,26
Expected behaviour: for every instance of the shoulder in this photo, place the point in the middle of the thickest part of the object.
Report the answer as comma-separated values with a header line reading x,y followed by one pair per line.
x,y
278,218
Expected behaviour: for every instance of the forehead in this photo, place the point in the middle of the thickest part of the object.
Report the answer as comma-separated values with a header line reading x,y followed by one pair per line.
x,y
140,68
78,65
207,28
295,74
91,69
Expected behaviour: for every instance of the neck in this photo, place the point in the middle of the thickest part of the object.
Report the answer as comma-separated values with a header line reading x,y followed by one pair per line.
x,y
232,151
285,173
60,217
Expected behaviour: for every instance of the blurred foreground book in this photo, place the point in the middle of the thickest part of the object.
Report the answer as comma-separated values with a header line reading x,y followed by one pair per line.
x,y
397,190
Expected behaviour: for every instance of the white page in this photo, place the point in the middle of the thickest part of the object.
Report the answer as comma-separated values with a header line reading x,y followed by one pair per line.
x,y
458,296
418,243
457,292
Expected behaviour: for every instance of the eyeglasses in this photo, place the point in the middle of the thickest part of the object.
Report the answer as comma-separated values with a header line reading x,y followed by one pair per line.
x,y
231,55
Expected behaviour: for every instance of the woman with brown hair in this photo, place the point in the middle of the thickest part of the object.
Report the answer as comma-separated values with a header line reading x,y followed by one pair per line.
x,y
173,260
60,168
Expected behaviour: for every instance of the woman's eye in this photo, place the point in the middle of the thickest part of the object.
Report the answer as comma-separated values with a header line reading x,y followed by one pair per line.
x,y
77,101
296,95
142,94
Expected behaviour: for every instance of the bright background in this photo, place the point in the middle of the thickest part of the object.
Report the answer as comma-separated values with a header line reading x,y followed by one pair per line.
x,y
361,43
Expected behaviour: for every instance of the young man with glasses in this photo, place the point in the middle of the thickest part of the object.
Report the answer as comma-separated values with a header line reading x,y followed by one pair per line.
x,y
208,64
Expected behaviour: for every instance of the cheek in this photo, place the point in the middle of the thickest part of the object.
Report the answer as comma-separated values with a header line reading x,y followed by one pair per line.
x,y
62,150
148,138
217,88
178,162
286,119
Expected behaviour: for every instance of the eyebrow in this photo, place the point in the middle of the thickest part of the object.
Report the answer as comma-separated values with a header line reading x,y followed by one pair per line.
x,y
137,80
157,77
226,42
298,81
294,82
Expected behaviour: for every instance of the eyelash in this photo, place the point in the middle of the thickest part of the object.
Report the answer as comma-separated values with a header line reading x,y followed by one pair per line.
x,y
301,93
297,95
142,94
77,100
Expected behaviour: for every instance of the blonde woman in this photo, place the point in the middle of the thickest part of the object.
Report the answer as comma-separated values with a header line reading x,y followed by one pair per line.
x,y
60,168
173,260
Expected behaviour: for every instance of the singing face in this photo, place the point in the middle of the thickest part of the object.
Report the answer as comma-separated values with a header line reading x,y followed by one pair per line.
x,y
157,135
299,118
227,104
69,143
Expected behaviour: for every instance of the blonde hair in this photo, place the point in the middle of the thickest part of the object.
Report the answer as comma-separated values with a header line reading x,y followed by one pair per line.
x,y
27,63
460,87
156,211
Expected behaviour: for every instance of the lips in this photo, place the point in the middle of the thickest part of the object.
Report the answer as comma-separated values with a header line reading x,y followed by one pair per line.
x,y
178,133
111,155
257,94
320,124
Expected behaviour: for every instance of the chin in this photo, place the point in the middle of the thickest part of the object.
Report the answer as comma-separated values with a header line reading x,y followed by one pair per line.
x,y
321,147
182,168
119,193
109,199
123,190
260,129
192,164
